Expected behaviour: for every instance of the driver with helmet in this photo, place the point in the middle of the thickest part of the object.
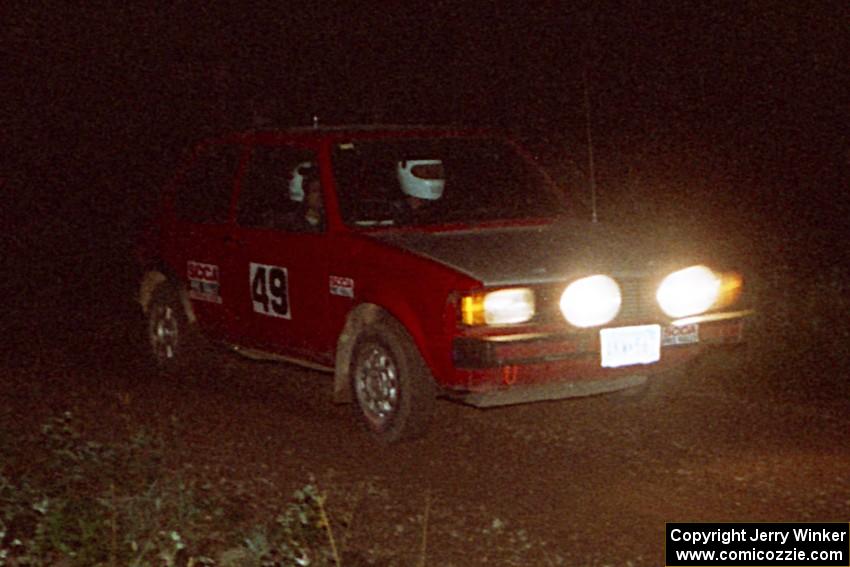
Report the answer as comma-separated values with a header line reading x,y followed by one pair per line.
x,y
422,181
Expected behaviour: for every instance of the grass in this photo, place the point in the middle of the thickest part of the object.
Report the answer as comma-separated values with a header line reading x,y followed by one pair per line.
x,y
68,500
72,501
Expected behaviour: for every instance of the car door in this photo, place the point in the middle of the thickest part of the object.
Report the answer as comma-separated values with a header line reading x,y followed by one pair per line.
x,y
202,224
280,263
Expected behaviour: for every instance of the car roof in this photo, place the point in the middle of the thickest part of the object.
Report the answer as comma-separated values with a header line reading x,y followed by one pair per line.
x,y
354,132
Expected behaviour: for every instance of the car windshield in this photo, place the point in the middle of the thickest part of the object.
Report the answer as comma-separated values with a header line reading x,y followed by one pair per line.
x,y
439,181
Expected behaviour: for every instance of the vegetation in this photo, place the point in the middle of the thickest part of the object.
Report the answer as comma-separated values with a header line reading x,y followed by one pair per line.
x,y
74,501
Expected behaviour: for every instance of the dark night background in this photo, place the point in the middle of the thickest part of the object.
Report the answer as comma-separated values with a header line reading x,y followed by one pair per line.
x,y
727,115
726,119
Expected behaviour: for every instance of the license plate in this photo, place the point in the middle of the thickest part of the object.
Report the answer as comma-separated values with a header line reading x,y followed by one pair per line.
x,y
622,346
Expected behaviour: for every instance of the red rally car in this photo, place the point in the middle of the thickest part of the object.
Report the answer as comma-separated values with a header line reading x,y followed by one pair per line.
x,y
415,263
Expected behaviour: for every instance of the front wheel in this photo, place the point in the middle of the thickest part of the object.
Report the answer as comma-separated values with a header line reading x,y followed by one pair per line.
x,y
391,385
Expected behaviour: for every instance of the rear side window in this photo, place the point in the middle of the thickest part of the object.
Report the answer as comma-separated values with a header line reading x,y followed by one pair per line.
x,y
276,190
205,190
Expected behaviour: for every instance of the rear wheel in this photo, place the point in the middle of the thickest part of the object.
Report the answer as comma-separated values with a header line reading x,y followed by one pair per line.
x,y
391,385
172,339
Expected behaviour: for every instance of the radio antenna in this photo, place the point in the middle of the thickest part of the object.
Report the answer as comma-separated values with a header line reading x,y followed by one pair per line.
x,y
591,166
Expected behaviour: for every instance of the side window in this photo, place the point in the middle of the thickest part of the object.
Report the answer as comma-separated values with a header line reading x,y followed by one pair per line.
x,y
280,190
204,193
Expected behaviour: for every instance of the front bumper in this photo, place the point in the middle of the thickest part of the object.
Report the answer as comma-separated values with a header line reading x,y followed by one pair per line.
x,y
557,364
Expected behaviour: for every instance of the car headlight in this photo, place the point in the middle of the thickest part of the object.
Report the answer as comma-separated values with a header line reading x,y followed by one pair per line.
x,y
500,307
591,301
695,290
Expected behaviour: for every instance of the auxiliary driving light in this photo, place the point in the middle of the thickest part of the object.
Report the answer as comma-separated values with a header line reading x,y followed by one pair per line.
x,y
591,301
690,291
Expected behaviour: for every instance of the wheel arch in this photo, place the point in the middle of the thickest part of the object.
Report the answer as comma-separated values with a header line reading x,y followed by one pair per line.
x,y
358,319
153,278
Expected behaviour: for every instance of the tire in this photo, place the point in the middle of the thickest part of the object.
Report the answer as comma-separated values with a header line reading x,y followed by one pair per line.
x,y
391,386
172,341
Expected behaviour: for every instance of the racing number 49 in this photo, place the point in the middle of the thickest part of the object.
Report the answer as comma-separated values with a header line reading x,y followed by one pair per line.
x,y
270,290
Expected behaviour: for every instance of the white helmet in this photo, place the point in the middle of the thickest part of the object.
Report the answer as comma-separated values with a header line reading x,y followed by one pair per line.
x,y
296,184
422,178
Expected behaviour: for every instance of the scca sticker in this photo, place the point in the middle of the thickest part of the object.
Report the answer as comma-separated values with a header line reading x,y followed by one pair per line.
x,y
203,282
270,290
342,286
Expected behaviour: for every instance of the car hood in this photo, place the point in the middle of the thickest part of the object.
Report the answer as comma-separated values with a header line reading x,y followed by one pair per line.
x,y
540,254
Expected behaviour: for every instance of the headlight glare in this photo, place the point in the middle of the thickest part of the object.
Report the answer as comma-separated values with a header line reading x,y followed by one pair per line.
x,y
591,301
689,291
500,307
